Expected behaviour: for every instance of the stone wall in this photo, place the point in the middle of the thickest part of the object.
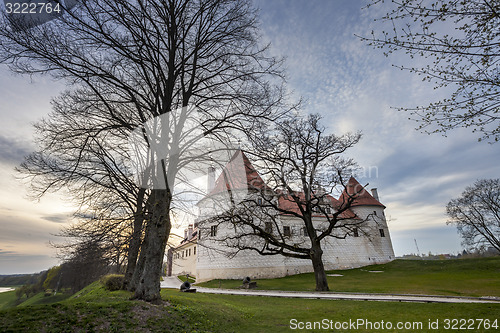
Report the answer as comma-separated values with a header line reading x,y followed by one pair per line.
x,y
215,262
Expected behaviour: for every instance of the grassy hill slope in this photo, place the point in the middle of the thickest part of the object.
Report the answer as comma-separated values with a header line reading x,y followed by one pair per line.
x,y
95,309
7,300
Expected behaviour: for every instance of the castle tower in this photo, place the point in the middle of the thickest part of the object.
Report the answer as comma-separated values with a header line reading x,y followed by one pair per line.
x,y
368,208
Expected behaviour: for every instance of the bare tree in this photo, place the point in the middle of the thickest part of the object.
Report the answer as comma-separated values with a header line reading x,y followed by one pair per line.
x,y
82,150
462,41
143,59
113,236
477,214
82,266
302,165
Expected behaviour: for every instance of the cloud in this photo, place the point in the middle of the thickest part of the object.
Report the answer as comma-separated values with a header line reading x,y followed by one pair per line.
x,y
352,85
6,253
18,263
13,150
441,239
355,88
27,234
59,218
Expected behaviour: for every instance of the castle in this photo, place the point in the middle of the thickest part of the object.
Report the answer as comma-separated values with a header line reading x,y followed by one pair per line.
x,y
200,253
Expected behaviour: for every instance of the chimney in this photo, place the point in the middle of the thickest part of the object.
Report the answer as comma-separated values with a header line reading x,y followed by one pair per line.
x,y
190,231
185,233
320,191
211,179
375,194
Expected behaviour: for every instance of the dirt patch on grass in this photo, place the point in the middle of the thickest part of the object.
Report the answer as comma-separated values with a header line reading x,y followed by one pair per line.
x,y
144,312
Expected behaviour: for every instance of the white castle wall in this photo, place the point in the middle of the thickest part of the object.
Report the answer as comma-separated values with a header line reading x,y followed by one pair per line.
x,y
213,261
185,259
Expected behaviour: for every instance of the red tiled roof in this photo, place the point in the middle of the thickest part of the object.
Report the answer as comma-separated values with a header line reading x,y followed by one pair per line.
x,y
238,174
348,213
288,203
361,195
192,239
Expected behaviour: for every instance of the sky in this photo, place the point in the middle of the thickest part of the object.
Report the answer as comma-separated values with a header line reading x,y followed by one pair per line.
x,y
353,86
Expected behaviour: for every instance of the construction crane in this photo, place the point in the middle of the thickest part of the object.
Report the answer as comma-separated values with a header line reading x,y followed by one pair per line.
x,y
418,251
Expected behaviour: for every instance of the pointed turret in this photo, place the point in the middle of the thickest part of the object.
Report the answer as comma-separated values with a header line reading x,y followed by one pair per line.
x,y
361,195
238,174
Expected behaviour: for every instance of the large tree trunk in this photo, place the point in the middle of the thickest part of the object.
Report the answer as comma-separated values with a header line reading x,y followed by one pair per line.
x,y
153,248
139,267
319,269
135,242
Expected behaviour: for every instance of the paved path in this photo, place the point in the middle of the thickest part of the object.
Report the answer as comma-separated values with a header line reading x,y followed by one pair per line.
x,y
174,282
170,282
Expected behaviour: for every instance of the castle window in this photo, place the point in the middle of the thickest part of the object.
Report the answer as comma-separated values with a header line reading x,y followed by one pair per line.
x,y
183,254
382,233
304,231
194,250
328,210
259,201
268,227
375,212
213,231
287,231
355,232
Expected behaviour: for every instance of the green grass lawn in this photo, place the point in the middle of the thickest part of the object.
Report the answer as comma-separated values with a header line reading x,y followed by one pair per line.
x,y
463,277
96,310
40,298
8,299
231,313
183,278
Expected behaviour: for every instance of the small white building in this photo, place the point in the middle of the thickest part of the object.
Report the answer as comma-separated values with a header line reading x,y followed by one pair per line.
x,y
201,253
183,259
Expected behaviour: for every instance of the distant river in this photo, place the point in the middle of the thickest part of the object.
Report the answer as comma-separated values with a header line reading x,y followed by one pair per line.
x,y
2,289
